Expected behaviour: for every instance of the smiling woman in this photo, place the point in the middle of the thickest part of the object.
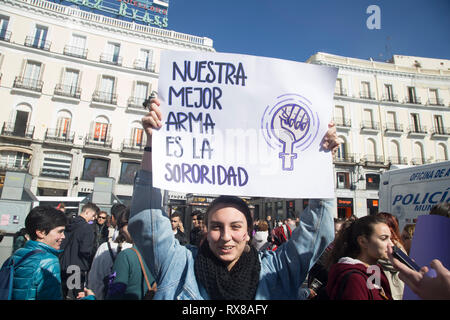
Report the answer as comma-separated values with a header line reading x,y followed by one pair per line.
x,y
38,277
225,266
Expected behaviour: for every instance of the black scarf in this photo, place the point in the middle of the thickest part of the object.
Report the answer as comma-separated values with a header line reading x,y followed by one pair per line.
x,y
240,283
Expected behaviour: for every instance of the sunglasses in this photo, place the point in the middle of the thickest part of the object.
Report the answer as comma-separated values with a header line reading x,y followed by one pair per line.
x,y
101,218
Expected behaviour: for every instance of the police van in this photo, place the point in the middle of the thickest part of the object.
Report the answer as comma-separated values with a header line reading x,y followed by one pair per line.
x,y
413,191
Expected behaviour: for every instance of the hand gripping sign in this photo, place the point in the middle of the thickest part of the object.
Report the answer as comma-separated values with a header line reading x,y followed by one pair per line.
x,y
243,125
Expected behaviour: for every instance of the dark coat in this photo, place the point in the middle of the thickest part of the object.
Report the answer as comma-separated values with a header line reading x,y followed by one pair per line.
x,y
78,244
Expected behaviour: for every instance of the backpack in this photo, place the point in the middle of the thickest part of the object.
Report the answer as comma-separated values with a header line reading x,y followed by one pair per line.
x,y
7,275
109,278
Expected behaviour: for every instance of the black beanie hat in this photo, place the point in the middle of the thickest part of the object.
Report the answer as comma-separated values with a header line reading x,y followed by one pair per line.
x,y
235,201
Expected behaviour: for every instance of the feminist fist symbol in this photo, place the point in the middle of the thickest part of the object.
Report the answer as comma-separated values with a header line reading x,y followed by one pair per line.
x,y
289,125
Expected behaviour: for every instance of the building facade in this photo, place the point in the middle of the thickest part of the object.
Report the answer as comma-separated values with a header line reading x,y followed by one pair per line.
x,y
388,114
72,87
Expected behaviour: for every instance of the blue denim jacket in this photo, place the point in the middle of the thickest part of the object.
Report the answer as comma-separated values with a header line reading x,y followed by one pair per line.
x,y
282,271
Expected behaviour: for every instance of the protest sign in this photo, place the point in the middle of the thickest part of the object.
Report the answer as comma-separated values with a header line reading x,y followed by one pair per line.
x,y
431,241
243,125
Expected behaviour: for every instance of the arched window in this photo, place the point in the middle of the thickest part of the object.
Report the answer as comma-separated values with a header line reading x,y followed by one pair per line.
x,y
63,122
419,154
101,129
371,149
395,152
442,153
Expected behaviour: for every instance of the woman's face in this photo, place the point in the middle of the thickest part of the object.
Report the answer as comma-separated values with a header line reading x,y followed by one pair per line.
x,y
227,233
53,238
377,244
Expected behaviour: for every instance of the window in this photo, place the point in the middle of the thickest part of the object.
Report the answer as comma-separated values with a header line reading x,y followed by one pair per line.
x,y
438,124
100,131
112,53
78,41
341,152
94,167
70,82
343,180
389,94
14,160
415,122
105,93
338,88
391,123
145,61
77,47
368,119
434,97
56,165
365,90
40,37
339,115
63,126
128,172
140,93
137,137
412,95
32,74
4,33
372,181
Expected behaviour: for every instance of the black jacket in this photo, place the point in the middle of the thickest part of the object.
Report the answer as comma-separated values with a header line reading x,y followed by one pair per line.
x,y
78,244
181,237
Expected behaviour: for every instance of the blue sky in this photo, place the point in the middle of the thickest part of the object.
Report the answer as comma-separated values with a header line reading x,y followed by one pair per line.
x,y
296,29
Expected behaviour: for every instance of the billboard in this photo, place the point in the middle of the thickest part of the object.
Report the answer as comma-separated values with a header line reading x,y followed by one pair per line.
x,y
146,12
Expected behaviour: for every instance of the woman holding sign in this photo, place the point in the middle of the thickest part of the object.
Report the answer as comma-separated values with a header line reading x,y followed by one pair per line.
x,y
225,266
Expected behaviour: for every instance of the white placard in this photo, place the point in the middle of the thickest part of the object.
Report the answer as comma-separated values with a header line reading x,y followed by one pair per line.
x,y
243,125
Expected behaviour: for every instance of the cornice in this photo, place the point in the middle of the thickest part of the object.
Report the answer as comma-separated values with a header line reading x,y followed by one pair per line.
x,y
399,74
61,17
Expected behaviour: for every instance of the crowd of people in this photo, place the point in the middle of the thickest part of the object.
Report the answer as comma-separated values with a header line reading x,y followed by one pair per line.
x,y
142,252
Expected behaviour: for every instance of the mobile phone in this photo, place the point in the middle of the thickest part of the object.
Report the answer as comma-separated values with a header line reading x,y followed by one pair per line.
x,y
404,258
153,95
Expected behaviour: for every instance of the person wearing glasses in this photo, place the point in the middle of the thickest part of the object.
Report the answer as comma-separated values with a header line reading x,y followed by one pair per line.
x,y
100,230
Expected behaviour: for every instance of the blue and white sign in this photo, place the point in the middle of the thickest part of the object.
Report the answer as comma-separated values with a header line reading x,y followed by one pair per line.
x,y
147,12
243,125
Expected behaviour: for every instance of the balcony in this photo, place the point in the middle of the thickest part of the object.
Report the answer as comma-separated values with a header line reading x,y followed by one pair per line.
x,y
340,92
93,142
5,36
28,84
75,52
16,167
435,102
413,100
343,122
33,42
393,128
111,59
144,65
417,131
59,136
419,161
131,146
370,127
11,129
102,98
398,160
440,132
346,159
390,98
367,95
67,91
373,160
